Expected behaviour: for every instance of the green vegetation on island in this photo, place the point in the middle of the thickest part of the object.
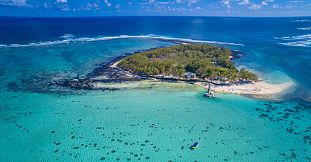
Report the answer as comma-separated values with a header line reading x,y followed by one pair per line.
x,y
189,61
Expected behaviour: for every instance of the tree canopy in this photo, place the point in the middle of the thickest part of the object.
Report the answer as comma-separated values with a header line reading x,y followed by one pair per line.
x,y
202,60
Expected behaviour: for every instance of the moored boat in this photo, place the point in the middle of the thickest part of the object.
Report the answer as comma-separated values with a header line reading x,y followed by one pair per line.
x,y
194,145
210,92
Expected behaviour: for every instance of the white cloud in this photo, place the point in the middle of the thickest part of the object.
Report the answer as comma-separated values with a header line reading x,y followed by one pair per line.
x,y
276,6
255,6
227,3
90,6
259,6
264,3
249,3
175,1
19,2
244,2
108,4
13,2
193,1
61,1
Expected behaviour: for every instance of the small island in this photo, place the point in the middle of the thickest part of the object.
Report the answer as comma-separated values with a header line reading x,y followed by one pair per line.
x,y
195,62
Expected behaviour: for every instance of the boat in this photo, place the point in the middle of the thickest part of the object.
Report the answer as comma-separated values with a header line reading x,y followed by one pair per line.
x,y
210,92
194,145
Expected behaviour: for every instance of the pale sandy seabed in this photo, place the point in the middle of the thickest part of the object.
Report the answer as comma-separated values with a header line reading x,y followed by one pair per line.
x,y
262,89
148,84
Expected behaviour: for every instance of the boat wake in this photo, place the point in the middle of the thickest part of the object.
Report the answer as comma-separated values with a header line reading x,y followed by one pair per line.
x,y
298,41
69,38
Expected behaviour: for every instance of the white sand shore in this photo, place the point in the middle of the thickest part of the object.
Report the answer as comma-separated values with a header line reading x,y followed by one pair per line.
x,y
259,89
115,64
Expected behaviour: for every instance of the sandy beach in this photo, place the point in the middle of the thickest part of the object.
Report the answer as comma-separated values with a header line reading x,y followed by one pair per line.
x,y
260,89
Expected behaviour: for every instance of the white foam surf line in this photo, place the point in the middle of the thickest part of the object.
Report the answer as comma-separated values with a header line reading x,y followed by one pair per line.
x,y
306,28
299,37
298,41
196,41
298,44
302,21
69,38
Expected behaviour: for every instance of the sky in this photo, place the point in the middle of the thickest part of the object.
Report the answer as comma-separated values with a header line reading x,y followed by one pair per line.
x,y
69,8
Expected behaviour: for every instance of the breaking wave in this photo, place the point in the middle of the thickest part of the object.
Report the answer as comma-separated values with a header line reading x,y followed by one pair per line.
x,y
306,28
298,41
302,21
69,38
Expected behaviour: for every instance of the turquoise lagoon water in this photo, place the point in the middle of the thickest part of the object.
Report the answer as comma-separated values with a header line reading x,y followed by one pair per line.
x,y
154,124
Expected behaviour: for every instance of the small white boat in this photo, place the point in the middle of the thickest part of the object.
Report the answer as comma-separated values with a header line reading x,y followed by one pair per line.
x,y
210,92
211,95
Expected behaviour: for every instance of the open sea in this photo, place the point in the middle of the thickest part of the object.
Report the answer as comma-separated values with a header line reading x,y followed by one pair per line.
x,y
156,124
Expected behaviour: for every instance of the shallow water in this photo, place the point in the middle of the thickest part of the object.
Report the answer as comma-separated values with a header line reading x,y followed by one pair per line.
x,y
155,124
150,124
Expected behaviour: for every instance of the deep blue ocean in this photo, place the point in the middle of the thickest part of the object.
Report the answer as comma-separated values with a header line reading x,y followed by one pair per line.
x,y
150,124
